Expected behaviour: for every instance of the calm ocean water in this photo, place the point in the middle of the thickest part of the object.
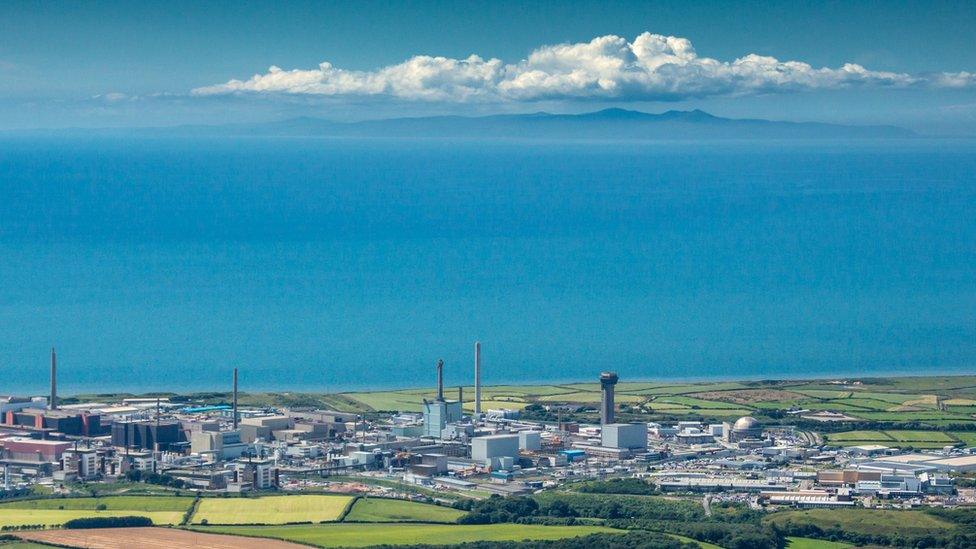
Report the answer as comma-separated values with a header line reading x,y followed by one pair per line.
x,y
323,265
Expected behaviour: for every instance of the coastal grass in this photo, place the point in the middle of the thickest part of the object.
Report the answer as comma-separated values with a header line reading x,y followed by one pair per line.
x,y
865,521
271,509
359,535
398,510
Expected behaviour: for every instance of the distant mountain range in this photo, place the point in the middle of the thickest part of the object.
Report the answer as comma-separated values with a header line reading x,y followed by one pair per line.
x,y
605,124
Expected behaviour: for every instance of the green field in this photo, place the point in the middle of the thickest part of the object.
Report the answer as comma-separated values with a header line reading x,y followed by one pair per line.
x,y
271,509
702,544
55,512
810,543
909,399
901,438
966,437
866,521
356,535
396,510
111,503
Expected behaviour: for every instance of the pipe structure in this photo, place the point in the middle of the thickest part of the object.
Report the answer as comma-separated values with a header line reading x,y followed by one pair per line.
x,y
440,381
54,380
477,378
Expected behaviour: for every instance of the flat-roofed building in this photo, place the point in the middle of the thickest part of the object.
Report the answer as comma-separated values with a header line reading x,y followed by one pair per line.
x,y
33,450
489,450
627,436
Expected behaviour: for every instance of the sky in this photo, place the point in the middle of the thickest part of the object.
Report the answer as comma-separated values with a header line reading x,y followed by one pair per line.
x,y
95,64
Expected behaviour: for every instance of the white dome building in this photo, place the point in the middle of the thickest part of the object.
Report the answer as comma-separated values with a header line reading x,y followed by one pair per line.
x,y
744,428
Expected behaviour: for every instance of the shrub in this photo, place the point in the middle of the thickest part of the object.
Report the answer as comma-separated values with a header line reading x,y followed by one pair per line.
x,y
107,522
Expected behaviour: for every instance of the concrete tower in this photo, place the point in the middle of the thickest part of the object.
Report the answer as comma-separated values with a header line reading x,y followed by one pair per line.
x,y
477,378
607,381
440,381
54,380
235,399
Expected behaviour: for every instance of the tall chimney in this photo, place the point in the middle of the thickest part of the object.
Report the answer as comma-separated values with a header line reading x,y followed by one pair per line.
x,y
235,398
461,395
477,378
440,381
54,380
156,434
607,381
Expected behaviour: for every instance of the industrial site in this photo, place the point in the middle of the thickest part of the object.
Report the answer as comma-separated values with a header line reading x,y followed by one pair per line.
x,y
454,452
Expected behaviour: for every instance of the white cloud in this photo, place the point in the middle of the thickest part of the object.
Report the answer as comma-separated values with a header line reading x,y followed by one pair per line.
x,y
652,67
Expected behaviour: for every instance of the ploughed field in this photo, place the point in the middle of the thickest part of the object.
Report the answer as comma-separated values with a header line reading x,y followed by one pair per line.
x,y
149,538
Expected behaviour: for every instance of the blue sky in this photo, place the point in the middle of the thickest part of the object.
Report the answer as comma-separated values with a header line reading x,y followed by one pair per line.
x,y
130,63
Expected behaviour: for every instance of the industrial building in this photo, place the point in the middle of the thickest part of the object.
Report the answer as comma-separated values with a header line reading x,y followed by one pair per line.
x,y
19,448
530,441
221,445
745,428
146,435
60,421
495,451
439,412
625,436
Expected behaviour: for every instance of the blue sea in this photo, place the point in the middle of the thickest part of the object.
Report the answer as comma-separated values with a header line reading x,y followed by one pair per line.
x,y
330,265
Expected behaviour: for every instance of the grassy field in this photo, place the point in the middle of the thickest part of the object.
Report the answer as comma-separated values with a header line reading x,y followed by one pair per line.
x,y
162,510
809,543
966,437
898,438
866,521
395,510
702,544
907,399
271,509
111,503
356,535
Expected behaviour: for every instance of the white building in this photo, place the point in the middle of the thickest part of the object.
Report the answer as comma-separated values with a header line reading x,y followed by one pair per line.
x,y
530,440
629,436
437,414
489,450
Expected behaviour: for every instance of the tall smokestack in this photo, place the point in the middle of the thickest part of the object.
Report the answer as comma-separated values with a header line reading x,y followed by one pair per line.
x,y
440,381
461,395
235,398
607,381
54,380
477,378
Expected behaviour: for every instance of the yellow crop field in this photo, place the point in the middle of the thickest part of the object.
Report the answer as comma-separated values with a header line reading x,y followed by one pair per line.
x,y
57,517
271,509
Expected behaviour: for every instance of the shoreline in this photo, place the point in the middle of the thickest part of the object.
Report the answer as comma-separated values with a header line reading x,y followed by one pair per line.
x,y
839,380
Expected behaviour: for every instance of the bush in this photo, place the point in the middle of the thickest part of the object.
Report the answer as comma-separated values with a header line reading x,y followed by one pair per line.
x,y
107,522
